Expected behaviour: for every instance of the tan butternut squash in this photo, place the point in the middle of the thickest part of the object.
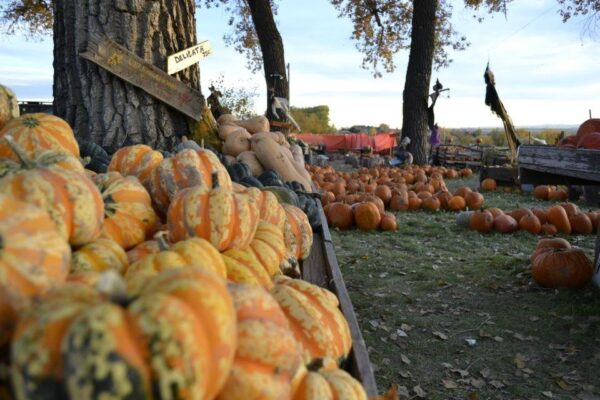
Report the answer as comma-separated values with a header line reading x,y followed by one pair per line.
x,y
260,123
249,158
230,159
237,142
298,154
299,167
227,129
276,136
226,119
271,155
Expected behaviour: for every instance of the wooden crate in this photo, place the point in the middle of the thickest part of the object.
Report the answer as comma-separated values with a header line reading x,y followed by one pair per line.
x,y
552,165
322,269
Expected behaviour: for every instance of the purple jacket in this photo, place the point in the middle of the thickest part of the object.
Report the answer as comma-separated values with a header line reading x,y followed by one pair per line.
x,y
434,139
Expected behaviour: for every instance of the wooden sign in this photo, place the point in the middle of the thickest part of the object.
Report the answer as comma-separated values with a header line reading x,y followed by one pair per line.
x,y
121,62
188,57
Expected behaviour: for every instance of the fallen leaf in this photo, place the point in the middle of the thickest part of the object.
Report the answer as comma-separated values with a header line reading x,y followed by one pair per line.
x,y
527,371
405,374
449,384
497,384
498,339
485,372
519,336
477,383
519,361
548,394
563,385
447,365
374,323
534,318
404,359
419,392
440,335
484,334
405,327
401,333
473,396
403,392
463,373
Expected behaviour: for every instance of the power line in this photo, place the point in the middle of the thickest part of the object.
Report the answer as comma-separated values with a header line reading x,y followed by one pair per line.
x,y
505,39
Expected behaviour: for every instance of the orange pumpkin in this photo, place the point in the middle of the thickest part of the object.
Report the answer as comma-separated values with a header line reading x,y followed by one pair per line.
x,y
457,203
388,222
315,318
384,193
558,195
33,258
581,224
519,213
558,217
504,223
340,216
128,212
188,168
488,184
226,219
474,200
182,325
481,221
444,197
531,224
70,198
495,211
324,380
260,261
399,201
367,216
99,255
431,203
462,191
541,192
549,230
562,267
267,355
327,197
546,243
541,213
138,160
37,132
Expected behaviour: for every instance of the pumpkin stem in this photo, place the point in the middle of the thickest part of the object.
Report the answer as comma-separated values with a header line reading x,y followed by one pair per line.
x,y
315,365
21,154
161,238
215,180
112,285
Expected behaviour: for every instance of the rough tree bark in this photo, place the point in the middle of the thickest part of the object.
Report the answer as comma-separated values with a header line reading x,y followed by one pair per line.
x,y
271,46
101,107
418,77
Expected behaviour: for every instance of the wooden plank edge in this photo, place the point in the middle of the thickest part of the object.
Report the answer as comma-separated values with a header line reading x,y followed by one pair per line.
x,y
360,365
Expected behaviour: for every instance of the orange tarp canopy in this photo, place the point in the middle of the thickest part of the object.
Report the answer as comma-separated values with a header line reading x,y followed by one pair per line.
x,y
381,142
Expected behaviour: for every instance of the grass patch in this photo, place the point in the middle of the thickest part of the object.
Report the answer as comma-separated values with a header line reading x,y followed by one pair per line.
x,y
422,293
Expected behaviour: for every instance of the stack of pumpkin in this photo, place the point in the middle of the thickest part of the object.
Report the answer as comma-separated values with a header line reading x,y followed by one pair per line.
x,y
89,309
587,136
565,218
551,192
397,189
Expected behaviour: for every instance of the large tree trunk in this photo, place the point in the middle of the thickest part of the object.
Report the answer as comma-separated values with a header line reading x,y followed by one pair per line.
x,y
271,46
418,76
101,107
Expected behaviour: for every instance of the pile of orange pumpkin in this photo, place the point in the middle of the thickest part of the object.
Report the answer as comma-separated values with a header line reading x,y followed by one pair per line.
x,y
361,198
564,218
158,279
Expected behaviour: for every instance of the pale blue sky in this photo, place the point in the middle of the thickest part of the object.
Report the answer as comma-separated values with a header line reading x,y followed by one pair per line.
x,y
546,71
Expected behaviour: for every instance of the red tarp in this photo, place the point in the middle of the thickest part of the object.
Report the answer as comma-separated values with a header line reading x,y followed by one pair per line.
x,y
380,143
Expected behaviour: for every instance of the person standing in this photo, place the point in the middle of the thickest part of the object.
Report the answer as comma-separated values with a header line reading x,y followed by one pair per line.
x,y
434,141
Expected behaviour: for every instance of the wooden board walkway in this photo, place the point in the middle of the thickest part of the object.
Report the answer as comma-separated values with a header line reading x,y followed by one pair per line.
x,y
322,269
